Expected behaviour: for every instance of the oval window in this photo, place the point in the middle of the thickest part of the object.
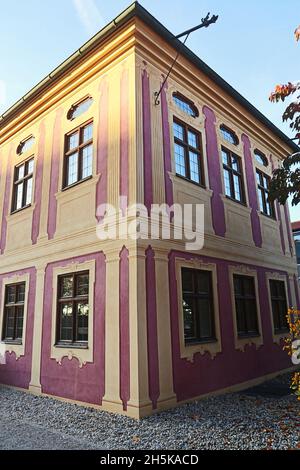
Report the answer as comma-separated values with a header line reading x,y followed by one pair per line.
x,y
260,158
78,109
185,105
229,135
25,145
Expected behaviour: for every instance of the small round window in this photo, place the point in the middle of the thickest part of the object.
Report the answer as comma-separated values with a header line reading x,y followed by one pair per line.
x,y
260,158
80,108
185,105
229,135
25,145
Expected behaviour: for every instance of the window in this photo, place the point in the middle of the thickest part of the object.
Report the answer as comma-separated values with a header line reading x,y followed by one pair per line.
x,y
73,308
229,135
198,306
25,145
188,153
263,184
245,305
279,306
23,185
260,158
14,312
185,105
79,108
233,179
79,155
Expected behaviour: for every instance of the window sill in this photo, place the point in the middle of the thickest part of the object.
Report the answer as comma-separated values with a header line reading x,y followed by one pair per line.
x,y
248,336
65,188
12,342
268,217
199,343
71,346
243,204
183,178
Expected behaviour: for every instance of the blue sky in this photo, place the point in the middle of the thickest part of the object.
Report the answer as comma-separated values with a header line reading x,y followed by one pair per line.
x,y
251,46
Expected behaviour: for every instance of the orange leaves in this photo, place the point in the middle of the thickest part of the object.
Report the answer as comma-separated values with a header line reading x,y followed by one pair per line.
x,y
283,91
297,33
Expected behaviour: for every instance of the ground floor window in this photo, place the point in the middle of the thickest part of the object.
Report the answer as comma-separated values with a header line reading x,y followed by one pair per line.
x,y
73,308
198,305
279,306
246,306
14,312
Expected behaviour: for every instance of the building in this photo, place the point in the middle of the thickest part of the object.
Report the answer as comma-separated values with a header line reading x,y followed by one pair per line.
x,y
138,326
296,234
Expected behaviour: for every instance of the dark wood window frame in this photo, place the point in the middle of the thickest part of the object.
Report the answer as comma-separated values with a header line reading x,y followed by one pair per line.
x,y
24,181
194,297
79,149
279,318
74,300
13,307
188,148
232,172
244,299
264,193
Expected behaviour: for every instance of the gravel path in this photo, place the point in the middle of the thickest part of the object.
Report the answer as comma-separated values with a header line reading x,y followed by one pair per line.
x,y
261,418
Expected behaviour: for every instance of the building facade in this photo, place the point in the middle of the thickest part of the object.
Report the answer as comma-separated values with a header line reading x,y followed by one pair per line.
x,y
136,326
296,234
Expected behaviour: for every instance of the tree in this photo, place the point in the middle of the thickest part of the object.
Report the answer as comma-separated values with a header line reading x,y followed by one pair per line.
x,y
286,179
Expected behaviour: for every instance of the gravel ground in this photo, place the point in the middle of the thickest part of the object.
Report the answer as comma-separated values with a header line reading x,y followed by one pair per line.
x,y
266,417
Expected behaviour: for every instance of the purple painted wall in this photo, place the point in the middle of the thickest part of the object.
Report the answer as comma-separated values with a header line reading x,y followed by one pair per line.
x,y
38,184
68,380
214,173
18,372
230,366
166,148
124,328
56,155
6,207
147,142
152,343
252,192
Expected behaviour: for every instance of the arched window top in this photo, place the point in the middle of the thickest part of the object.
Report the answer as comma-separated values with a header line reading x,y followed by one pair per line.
x,y
25,145
185,105
80,108
229,135
260,158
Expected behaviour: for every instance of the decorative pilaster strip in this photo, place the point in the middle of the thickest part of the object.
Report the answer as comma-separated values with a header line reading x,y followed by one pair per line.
x,y
38,184
288,228
124,137
54,174
153,361
215,178
124,328
278,210
6,200
166,148
252,193
147,142
102,146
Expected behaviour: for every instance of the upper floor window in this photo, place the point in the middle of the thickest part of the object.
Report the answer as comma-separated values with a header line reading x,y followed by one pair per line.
x,y
25,145
78,155
79,108
73,308
279,305
188,153
233,177
198,305
185,105
23,185
263,184
14,312
245,305
229,135
260,158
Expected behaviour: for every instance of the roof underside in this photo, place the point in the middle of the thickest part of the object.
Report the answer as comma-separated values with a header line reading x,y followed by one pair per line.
x,y
136,10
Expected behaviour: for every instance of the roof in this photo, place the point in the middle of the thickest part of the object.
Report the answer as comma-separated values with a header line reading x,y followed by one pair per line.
x,y
296,226
137,10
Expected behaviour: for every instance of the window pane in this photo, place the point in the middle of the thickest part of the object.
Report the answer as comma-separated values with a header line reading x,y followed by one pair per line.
x,y
235,163
188,318
88,132
192,139
184,106
29,191
228,135
225,157
11,294
227,183
9,324
203,282
180,160
205,322
66,286
265,182
251,313
66,322
237,187
82,321
21,293
19,322
30,167
187,280
72,169
19,197
73,141
21,172
240,316
87,159
194,167
178,131
261,201
82,287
